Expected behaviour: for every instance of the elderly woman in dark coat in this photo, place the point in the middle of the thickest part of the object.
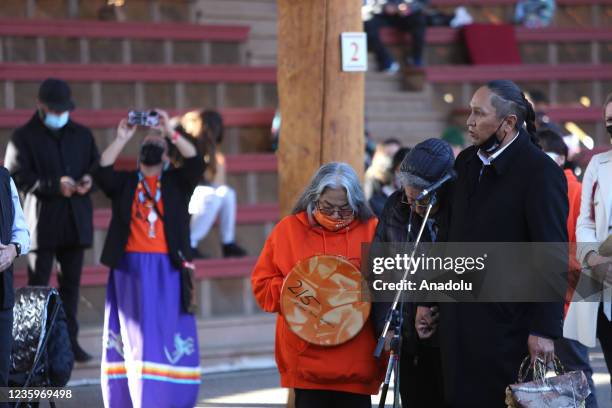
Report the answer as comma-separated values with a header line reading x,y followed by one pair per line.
x,y
400,221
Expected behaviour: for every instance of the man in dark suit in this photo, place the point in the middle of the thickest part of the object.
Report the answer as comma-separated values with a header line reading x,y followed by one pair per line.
x,y
14,241
507,190
50,158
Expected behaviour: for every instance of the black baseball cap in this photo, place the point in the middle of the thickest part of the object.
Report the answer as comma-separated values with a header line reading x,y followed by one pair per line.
x,y
56,94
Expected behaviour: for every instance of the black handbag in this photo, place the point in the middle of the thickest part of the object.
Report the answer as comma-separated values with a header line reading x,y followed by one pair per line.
x,y
187,285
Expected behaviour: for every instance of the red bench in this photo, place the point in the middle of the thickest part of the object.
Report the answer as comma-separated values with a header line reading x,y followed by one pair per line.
x,y
97,275
489,3
109,118
526,73
252,163
130,30
246,214
575,114
138,73
561,113
235,163
446,35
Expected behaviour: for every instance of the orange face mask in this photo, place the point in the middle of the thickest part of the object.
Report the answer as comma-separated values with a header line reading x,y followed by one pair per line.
x,y
331,224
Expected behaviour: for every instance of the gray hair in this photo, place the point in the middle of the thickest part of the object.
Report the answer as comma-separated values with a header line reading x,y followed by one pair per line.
x,y
407,179
334,175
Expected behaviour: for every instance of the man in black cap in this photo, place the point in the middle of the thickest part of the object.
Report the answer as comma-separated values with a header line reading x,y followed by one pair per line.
x,y
50,158
401,219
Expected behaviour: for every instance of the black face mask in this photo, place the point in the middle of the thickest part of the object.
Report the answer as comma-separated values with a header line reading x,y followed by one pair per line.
x,y
492,144
151,154
609,129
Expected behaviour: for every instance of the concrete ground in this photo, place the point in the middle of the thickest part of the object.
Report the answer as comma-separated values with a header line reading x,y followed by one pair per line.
x,y
259,388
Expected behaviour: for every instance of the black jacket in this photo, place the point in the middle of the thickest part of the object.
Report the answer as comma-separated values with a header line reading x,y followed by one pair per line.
x,y
393,227
37,159
521,197
7,215
177,185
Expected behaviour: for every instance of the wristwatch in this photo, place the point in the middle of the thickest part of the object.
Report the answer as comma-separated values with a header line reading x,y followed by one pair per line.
x,y
17,247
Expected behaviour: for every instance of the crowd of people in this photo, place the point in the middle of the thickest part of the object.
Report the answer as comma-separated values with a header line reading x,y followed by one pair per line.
x,y
413,17
513,184
161,211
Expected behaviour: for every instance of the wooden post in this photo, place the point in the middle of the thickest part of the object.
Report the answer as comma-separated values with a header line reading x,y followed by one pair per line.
x,y
322,108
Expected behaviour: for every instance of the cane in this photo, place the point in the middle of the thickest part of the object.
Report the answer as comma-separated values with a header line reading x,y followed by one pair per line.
x,y
393,361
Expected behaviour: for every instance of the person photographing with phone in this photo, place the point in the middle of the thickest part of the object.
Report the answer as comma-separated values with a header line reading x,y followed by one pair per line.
x,y
150,346
50,158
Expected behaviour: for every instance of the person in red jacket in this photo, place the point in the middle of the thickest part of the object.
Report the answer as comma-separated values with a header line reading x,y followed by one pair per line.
x,y
330,218
554,146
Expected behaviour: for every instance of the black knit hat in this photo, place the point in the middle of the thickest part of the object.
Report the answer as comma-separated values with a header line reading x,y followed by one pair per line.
x,y
426,163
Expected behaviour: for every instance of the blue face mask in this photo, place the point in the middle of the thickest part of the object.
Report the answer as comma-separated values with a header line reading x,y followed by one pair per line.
x,y
55,122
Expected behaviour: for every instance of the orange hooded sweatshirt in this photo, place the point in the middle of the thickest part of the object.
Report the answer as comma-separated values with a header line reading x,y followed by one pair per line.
x,y
349,367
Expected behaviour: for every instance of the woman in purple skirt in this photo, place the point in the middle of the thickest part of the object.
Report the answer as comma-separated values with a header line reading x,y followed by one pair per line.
x,y
150,356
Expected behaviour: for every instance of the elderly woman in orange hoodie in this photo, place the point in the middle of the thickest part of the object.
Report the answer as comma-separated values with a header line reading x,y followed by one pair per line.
x,y
330,218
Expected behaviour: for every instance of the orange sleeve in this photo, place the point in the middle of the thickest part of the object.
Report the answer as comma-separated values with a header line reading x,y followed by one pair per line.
x,y
267,279
576,209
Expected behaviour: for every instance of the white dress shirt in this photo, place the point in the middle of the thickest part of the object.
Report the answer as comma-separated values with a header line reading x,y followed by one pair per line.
x,y
19,231
487,160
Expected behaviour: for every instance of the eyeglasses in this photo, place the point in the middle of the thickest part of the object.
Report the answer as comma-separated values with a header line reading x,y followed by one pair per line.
x,y
424,203
342,212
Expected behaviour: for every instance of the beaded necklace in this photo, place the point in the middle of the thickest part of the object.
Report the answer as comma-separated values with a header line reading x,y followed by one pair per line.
x,y
146,198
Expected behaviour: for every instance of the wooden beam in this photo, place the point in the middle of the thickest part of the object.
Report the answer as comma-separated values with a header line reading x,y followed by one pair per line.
x,y
322,108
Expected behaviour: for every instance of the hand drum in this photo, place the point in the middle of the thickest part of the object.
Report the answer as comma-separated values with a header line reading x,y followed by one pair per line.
x,y
322,300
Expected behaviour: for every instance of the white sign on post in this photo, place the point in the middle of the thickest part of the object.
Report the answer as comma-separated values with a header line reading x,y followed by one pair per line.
x,y
354,52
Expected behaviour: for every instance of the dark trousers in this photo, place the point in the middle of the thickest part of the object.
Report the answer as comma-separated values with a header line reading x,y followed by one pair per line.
x,y
575,357
604,334
70,260
6,342
421,382
330,399
414,23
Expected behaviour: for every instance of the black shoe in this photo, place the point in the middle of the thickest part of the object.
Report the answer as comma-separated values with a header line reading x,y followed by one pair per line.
x,y
195,252
80,355
233,250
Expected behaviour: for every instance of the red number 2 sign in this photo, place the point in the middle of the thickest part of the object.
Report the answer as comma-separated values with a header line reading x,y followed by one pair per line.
x,y
355,47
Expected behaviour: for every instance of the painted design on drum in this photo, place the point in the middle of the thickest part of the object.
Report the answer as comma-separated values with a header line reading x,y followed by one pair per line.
x,y
321,300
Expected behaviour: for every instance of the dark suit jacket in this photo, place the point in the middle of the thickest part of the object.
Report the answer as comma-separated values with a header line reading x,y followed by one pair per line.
x,y
177,185
521,197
